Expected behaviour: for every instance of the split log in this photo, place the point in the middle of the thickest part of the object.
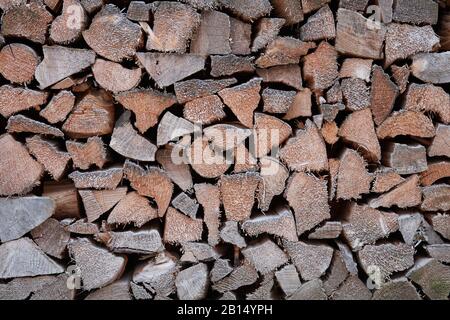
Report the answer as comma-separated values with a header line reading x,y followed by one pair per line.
x,y
277,101
86,154
283,51
192,283
238,194
23,258
160,66
433,278
305,151
61,62
356,68
65,196
139,292
49,155
180,228
265,289
405,159
97,202
330,132
193,89
98,266
405,195
91,6
208,196
114,77
408,37
243,100
138,11
171,127
309,291
51,237
93,115
386,10
382,96
334,96
240,37
20,123
436,198
204,110
14,99
100,179
243,275
440,252
352,289
201,251
230,234
146,104
269,134
440,224
443,30
112,36
289,75
220,270
416,11
358,130
440,147
21,215
178,172
144,241
312,5
320,68
267,29
302,105
431,67
151,182
248,10
185,204
355,5
347,257
132,209
213,34
320,26
83,227
308,196
355,94
244,161
337,274
20,172
435,172
290,10
226,136
68,26
353,179
386,179
334,169
409,225
274,175
118,290
265,256
27,20
330,230
18,63
59,107
397,289
406,123
356,36
231,64
401,76
288,279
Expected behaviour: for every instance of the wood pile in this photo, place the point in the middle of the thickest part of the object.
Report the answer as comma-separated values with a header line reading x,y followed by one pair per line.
x,y
225,149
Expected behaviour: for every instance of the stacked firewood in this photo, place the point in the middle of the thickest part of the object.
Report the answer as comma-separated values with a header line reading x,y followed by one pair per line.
x,y
225,149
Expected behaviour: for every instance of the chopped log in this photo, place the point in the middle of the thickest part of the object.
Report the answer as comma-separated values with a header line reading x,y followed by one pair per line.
x,y
416,11
320,68
409,225
117,291
213,34
386,10
144,241
192,283
440,147
312,5
97,202
440,252
91,6
355,5
269,133
397,289
230,234
83,227
305,151
8,4
231,64
320,26
65,196
436,198
311,260
248,10
179,173
226,136
265,256
59,107
310,291
386,259
204,110
208,196
431,67
334,169
78,83
151,182
290,10
180,228
15,99
443,30
243,275
146,104
185,204
220,270
401,76
385,180
86,154
244,161
301,106
356,36
283,51
171,127
49,155
358,130
435,172
277,101
406,123
118,45
100,179
355,93
405,159
440,224
193,89
240,37
61,62
138,11
433,278
364,225
238,194
274,175
20,123
330,230
402,41
51,237
18,63
337,274
405,195
353,179
352,289
288,279
93,115
23,258
308,196
202,252
356,68
289,75
206,161
27,20
347,257
267,30
20,172
139,292
382,96
98,267
21,215
330,132
265,289
132,209
68,26
114,77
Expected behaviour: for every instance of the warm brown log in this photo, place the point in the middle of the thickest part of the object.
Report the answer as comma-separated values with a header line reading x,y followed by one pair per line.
x,y
334,169
97,202
192,283
170,128
244,161
401,76
440,224
320,68
290,10
230,234
59,107
404,158
151,182
20,123
101,179
65,196
320,26
277,101
436,198
386,179
86,154
231,64
433,278
180,228
14,99
112,36
431,67
27,20
444,31
356,68
49,155
179,172
274,175
114,77
78,83
138,11
238,194
440,146
51,237
204,110
193,89
312,5
18,63
330,132
406,123
248,10
212,36
435,172
265,256
397,289
185,204
405,195
382,96
267,30
91,6
301,106
416,11
208,196
330,230
132,209
240,36
352,289
67,27
289,75
353,179
269,133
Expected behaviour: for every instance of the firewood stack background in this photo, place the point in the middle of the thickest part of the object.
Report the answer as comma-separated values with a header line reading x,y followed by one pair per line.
x,y
323,129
